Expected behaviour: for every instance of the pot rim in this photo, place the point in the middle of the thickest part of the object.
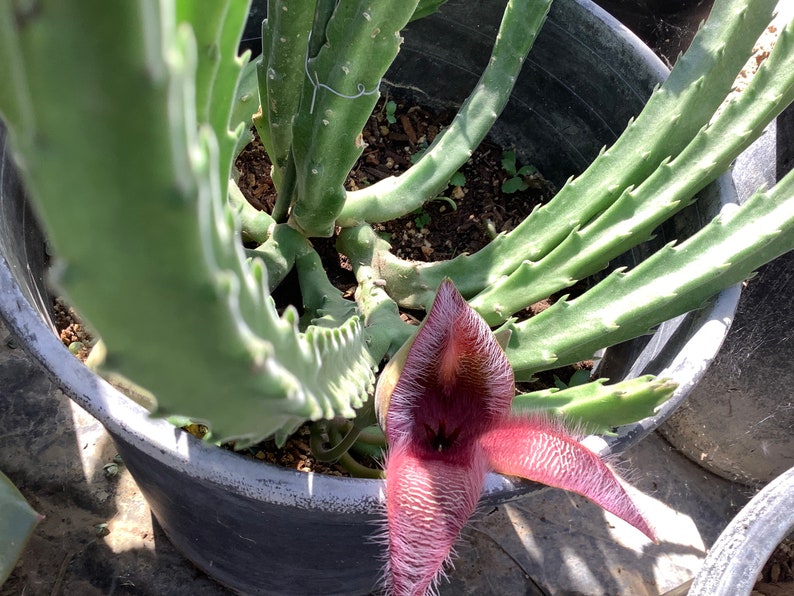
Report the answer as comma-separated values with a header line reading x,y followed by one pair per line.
x,y
158,438
740,552
161,440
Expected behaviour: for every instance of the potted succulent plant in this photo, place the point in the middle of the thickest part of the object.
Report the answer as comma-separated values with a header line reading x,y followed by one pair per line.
x,y
124,120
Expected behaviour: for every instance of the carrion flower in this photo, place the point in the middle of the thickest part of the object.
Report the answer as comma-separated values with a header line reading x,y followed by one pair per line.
x,y
445,400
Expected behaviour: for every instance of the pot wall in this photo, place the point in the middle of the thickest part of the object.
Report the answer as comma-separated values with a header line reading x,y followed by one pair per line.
x,y
739,421
243,521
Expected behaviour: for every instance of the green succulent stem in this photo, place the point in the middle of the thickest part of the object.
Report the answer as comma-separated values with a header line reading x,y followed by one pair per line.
x,y
342,437
333,453
394,197
278,252
676,279
280,73
244,107
386,331
340,89
637,212
372,436
350,431
324,303
217,26
673,115
596,407
286,195
17,522
426,7
255,225
207,29
358,470
171,273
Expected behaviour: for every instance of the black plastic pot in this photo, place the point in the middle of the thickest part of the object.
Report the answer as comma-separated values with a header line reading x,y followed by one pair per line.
x,y
266,530
737,557
667,26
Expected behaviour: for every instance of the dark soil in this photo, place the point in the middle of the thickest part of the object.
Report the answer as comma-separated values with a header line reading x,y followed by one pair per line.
x,y
71,331
462,220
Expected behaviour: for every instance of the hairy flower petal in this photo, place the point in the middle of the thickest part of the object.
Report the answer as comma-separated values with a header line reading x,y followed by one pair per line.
x,y
446,402
428,500
456,380
540,450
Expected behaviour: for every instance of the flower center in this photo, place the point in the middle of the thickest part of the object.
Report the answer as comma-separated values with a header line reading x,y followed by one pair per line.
x,y
441,439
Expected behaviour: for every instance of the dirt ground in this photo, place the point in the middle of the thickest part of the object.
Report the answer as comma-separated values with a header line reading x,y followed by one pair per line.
x,y
97,537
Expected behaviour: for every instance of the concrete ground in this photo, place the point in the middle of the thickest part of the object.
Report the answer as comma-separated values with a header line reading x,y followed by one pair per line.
x,y
100,538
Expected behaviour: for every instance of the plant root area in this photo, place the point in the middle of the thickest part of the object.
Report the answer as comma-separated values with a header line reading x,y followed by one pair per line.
x,y
462,219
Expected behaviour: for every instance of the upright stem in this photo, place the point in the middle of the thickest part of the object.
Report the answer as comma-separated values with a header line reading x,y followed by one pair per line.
x,y
394,197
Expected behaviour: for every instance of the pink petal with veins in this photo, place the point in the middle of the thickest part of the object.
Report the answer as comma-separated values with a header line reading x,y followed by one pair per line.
x,y
455,383
540,450
428,500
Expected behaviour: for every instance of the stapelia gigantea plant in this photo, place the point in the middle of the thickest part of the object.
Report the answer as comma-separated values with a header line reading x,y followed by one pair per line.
x,y
125,118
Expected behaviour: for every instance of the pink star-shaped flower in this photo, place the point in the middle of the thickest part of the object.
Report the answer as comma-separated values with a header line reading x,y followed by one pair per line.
x,y
448,422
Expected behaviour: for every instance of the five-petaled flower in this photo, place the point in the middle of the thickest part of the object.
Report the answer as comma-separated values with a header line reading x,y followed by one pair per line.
x,y
445,403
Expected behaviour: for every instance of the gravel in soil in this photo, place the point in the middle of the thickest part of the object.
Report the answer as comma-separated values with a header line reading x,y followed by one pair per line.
x,y
71,331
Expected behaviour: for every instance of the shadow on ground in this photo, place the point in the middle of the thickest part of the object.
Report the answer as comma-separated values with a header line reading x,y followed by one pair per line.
x,y
55,453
